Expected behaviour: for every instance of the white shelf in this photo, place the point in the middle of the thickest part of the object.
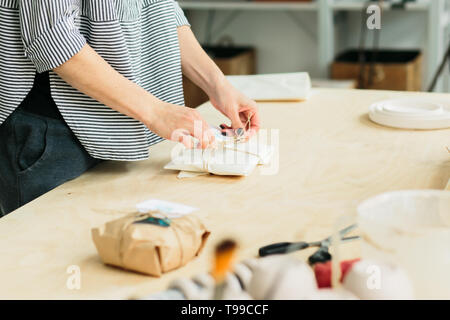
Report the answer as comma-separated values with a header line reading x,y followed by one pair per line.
x,y
357,5
247,5
344,5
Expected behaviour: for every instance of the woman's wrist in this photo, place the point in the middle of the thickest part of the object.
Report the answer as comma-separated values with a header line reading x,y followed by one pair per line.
x,y
152,112
218,83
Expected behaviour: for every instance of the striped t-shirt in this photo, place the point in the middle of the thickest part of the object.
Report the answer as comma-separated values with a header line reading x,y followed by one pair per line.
x,y
138,38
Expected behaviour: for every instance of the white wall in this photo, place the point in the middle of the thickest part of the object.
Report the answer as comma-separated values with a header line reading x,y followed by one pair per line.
x,y
283,46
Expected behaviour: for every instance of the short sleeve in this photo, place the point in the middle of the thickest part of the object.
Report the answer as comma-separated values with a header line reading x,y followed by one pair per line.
x,y
180,17
49,31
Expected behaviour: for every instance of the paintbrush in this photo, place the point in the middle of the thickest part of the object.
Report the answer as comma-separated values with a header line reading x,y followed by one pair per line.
x,y
224,258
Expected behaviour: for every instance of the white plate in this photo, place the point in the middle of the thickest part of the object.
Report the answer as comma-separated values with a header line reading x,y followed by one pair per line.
x,y
408,113
412,108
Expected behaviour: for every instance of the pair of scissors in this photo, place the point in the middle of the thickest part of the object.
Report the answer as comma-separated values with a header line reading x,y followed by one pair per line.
x,y
321,255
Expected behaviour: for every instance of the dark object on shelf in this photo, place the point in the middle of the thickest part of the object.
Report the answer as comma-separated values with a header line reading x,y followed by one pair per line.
x,y
401,5
232,60
391,69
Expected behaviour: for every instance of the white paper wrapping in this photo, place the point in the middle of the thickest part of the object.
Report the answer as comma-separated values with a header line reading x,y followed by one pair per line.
x,y
229,158
170,210
274,87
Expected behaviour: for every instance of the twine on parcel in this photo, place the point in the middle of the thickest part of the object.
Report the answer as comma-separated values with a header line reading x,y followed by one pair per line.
x,y
214,160
148,248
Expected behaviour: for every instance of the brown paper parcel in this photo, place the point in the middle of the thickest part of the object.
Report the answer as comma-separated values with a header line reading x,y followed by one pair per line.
x,y
148,248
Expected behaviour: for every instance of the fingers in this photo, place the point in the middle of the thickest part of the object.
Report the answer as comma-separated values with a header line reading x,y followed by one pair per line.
x,y
254,123
202,140
235,118
188,142
183,136
202,132
193,131
251,112
249,118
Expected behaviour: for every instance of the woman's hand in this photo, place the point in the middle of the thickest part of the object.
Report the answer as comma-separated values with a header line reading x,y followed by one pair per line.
x,y
179,124
242,111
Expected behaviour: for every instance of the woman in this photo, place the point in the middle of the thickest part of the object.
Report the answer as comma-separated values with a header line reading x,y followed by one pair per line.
x,y
88,80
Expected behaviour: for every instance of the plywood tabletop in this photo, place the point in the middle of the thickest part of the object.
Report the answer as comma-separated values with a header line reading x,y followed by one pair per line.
x,y
331,157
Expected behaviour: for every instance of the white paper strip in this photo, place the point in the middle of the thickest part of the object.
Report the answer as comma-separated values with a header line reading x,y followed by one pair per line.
x,y
171,210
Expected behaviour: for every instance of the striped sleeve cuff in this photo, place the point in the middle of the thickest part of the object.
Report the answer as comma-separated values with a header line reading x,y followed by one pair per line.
x,y
180,18
55,47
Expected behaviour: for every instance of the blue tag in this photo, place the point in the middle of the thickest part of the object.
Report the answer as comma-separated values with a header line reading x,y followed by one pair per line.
x,y
156,221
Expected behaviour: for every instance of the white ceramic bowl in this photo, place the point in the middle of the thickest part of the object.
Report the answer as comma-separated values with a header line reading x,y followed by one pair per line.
x,y
411,229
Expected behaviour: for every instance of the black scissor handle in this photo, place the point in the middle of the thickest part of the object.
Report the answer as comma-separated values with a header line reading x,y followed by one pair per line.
x,y
281,247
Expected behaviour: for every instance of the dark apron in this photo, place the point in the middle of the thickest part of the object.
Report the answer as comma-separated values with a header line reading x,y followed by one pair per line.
x,y
38,151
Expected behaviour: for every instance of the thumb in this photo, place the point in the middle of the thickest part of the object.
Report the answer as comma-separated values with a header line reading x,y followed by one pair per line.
x,y
236,122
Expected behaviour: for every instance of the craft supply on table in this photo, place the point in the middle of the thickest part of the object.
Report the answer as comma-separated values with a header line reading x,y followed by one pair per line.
x,y
224,257
152,241
274,87
375,280
231,157
322,272
285,277
405,256
281,278
410,113
202,287
321,255
221,283
272,277
410,229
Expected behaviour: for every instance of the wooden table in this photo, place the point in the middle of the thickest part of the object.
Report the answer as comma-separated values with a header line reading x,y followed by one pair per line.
x,y
331,158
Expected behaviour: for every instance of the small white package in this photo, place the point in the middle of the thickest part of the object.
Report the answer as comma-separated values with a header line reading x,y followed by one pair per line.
x,y
229,158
